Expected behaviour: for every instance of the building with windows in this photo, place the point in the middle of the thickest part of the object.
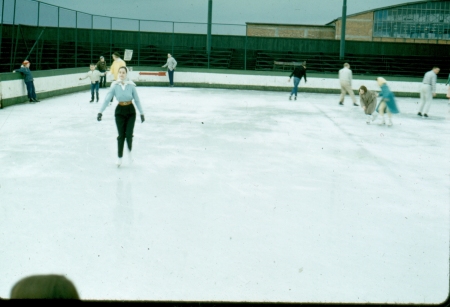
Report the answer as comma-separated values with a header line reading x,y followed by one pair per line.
x,y
413,22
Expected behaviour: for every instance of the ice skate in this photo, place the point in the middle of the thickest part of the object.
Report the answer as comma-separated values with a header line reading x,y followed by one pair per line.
x,y
119,162
341,103
419,114
295,97
368,119
374,116
425,115
381,121
290,97
389,121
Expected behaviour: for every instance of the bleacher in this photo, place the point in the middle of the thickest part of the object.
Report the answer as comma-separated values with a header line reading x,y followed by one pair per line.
x,y
414,66
46,56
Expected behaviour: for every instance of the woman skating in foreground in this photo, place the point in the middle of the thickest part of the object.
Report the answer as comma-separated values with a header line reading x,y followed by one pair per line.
x,y
125,113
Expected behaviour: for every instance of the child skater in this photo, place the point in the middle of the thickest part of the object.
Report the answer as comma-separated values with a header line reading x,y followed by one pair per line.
x,y
125,113
368,101
94,75
387,102
28,78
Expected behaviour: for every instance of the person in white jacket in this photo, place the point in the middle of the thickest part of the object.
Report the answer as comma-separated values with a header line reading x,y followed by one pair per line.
x,y
171,65
345,79
94,75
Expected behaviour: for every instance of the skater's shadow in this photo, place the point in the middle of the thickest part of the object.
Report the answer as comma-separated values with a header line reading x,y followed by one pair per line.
x,y
123,211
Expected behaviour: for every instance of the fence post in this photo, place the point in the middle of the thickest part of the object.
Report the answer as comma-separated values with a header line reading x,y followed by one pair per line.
x,y
208,37
173,35
38,13
92,38
245,49
12,39
110,37
139,43
76,38
1,27
38,59
57,43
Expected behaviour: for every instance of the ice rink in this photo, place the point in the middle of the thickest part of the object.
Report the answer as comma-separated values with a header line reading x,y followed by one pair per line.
x,y
233,195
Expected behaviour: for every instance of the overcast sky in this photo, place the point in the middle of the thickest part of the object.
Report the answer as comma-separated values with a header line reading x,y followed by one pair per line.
x,y
316,12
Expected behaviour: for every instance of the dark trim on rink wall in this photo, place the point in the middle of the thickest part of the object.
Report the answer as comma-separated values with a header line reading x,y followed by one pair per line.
x,y
303,88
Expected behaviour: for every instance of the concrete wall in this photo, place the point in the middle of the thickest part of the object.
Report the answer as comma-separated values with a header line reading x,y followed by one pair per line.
x,y
54,83
358,28
290,31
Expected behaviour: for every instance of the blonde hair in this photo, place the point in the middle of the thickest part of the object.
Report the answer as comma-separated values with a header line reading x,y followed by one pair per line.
x,y
381,81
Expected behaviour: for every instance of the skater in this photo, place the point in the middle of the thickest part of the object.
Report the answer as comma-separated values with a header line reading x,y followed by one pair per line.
x,y
368,101
428,91
94,75
298,73
114,69
116,65
345,79
171,65
101,66
448,89
28,79
387,103
125,113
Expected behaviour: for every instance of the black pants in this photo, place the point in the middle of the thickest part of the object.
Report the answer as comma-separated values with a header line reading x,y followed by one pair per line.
x,y
125,119
102,80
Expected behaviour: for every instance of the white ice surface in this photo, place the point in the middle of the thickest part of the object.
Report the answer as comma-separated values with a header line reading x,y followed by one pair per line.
x,y
233,196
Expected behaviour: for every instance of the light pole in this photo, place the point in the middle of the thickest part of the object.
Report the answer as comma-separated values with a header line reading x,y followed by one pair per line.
x,y
343,20
208,39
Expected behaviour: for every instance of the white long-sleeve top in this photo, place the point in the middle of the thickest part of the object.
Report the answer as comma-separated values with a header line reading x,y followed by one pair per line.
x,y
345,75
430,78
94,75
171,63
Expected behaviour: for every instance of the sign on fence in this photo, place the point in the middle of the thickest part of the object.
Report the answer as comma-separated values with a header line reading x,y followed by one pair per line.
x,y
128,55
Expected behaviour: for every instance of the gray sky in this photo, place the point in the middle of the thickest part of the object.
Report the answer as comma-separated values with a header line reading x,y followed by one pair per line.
x,y
226,11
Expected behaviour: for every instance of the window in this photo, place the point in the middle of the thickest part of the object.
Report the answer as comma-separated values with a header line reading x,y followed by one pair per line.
x,y
425,20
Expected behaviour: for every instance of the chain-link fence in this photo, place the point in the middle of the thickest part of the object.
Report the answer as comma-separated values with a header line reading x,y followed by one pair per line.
x,y
55,37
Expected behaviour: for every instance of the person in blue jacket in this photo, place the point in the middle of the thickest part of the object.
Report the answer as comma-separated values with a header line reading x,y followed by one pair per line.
x,y
28,78
387,102
125,113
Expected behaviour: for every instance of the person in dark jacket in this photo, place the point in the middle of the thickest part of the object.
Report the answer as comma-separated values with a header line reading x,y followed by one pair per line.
x,y
101,67
298,73
28,78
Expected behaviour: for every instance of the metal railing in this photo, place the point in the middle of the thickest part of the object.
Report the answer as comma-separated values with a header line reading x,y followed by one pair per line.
x,y
42,15
52,37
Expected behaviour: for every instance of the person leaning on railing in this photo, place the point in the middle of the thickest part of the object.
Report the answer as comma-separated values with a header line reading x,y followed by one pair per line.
x,y
29,81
